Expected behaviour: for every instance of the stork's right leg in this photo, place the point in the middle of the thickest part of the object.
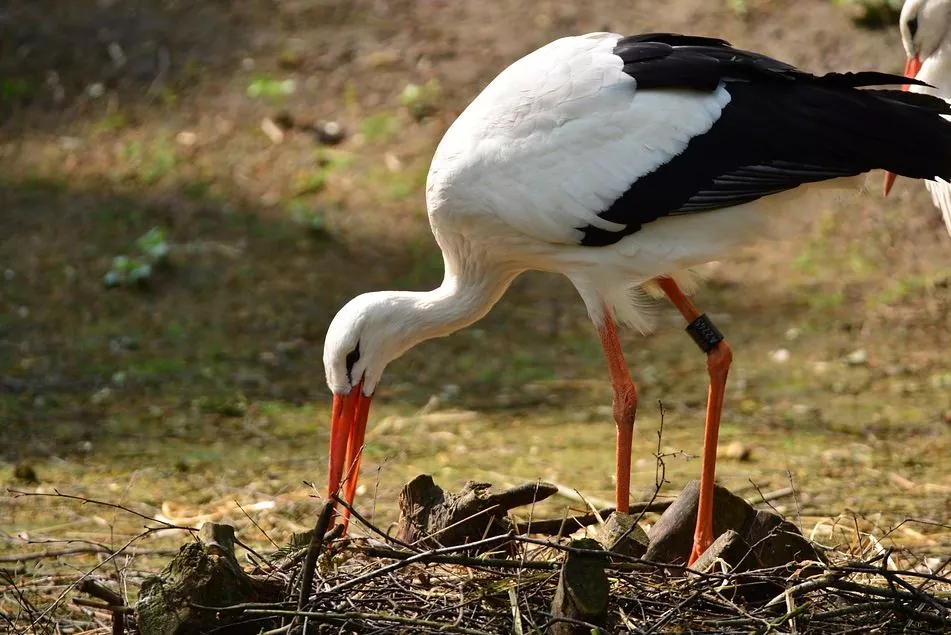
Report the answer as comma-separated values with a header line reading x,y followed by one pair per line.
x,y
719,356
625,408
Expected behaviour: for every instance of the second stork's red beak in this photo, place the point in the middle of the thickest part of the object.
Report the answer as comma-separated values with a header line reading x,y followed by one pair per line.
x,y
348,426
912,66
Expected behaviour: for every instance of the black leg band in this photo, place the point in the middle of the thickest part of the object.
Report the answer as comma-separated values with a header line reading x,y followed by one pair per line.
x,y
704,333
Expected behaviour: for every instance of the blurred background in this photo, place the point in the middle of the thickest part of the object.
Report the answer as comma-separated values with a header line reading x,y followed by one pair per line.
x,y
190,190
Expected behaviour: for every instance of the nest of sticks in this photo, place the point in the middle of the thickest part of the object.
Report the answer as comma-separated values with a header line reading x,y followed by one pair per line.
x,y
512,578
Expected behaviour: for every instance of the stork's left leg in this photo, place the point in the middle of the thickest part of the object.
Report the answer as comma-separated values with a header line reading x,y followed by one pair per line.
x,y
719,356
625,409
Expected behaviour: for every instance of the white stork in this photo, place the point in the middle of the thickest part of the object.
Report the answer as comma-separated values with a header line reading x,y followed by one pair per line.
x,y
616,161
925,28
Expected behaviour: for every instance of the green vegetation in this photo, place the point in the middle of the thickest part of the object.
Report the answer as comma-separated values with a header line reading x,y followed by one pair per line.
x,y
152,249
270,88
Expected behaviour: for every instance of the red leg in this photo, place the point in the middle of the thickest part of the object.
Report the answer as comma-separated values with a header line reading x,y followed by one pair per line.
x,y
625,409
718,366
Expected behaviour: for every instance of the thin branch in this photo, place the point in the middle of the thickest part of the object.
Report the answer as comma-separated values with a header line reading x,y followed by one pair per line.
x,y
491,563
92,549
92,501
368,617
313,550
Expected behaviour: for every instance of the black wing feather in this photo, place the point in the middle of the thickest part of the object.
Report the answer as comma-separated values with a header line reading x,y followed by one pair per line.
x,y
782,128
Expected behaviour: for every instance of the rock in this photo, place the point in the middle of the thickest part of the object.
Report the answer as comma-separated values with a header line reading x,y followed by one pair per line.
x,y
271,130
621,535
780,356
203,573
284,120
735,451
857,358
582,593
25,473
329,133
186,138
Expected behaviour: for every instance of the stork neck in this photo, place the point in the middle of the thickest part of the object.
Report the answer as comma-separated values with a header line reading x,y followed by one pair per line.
x,y
458,302
936,68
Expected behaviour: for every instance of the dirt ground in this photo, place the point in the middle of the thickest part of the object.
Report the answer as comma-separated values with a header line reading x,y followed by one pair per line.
x,y
204,389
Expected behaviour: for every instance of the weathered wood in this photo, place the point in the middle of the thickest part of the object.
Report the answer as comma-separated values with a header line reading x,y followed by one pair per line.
x,y
731,549
777,542
774,541
582,593
621,535
671,538
205,573
431,517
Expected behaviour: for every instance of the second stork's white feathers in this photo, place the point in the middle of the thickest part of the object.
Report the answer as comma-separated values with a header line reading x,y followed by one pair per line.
x,y
925,28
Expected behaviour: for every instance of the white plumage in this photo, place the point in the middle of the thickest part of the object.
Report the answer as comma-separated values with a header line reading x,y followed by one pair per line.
x,y
545,159
616,162
925,27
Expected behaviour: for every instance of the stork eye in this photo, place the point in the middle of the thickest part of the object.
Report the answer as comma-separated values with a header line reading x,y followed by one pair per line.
x,y
352,358
913,26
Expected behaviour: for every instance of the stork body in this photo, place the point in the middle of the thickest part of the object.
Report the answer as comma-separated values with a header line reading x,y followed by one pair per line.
x,y
926,37
617,161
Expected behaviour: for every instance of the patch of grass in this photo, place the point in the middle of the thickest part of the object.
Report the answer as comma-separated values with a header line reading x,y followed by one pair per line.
x,y
198,190
270,88
310,183
421,101
872,14
313,217
903,288
233,406
157,367
379,127
14,91
398,185
315,180
110,123
150,162
161,160
152,251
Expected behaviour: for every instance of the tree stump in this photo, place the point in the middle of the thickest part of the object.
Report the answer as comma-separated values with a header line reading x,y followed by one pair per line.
x,y
582,593
205,573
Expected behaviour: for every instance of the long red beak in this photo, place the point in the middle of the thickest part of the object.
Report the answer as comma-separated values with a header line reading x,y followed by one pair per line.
x,y
348,426
912,66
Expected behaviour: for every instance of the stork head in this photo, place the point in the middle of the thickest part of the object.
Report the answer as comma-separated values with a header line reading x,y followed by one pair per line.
x,y
924,27
368,333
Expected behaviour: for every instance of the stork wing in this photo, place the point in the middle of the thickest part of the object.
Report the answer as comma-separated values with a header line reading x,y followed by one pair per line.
x,y
782,128
589,138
